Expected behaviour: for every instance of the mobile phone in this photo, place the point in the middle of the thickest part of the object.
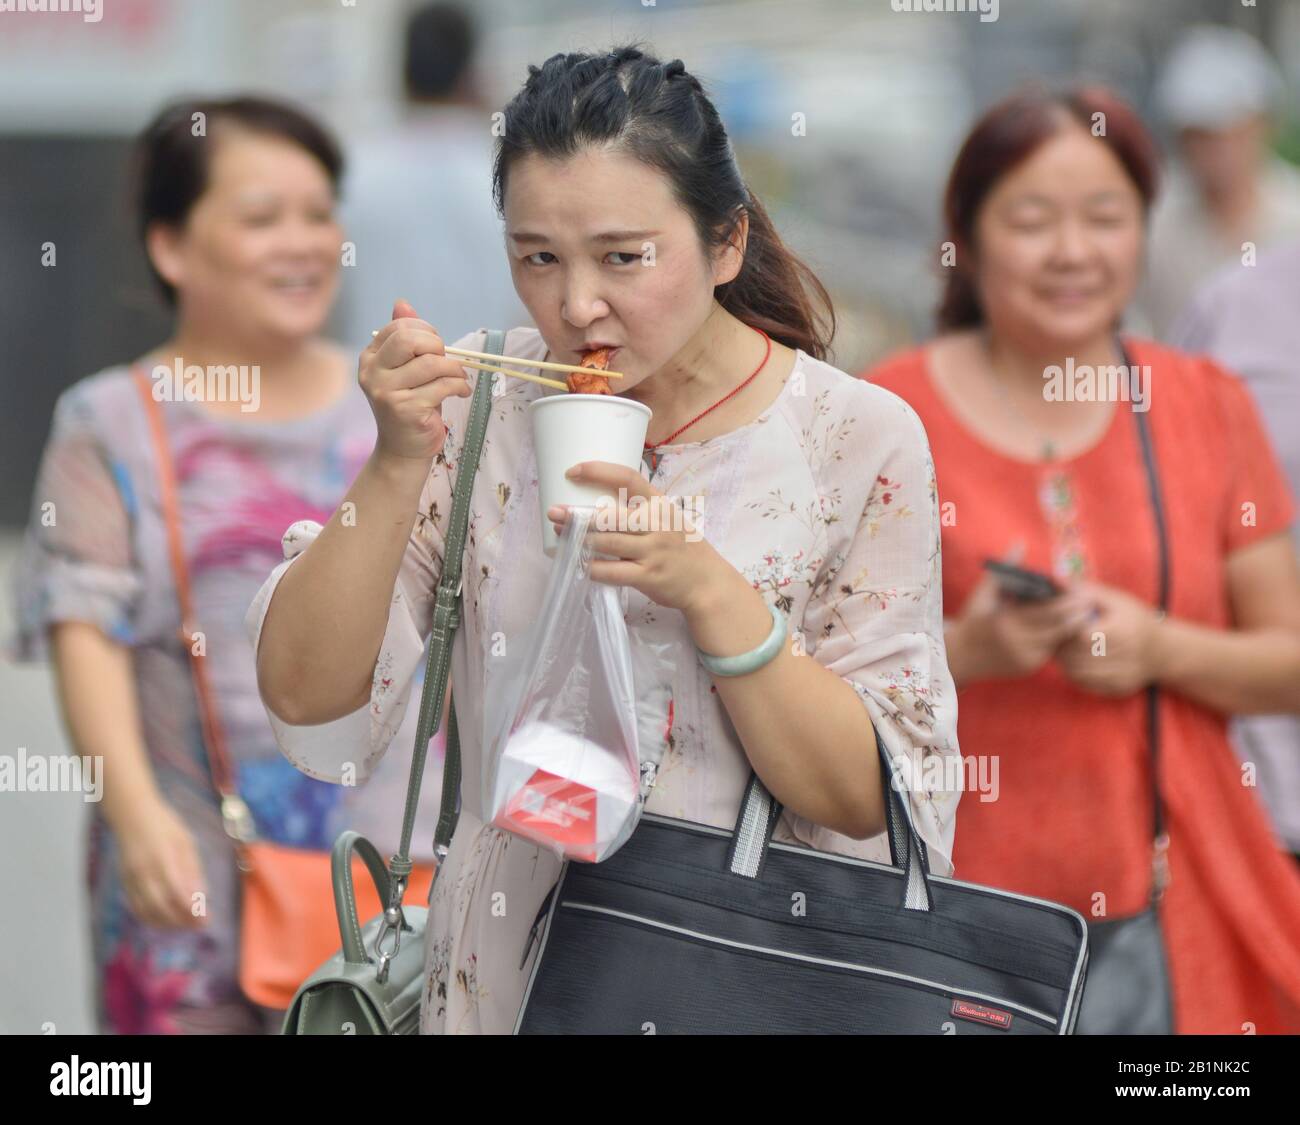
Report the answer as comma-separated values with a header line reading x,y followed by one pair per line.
x,y
1021,584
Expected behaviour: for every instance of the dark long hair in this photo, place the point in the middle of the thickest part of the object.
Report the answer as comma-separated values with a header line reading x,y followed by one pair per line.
x,y
1010,132
660,114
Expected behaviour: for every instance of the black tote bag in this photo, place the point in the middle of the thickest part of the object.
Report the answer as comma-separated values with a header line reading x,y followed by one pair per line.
x,y
690,928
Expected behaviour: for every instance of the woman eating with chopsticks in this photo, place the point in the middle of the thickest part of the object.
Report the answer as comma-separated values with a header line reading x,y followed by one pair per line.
x,y
630,228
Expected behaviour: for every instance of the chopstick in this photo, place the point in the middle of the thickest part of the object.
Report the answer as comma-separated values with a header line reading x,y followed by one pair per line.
x,y
547,366
543,364
514,374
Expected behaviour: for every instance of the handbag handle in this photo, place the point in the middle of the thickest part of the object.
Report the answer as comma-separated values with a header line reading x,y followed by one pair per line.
x,y
345,898
759,812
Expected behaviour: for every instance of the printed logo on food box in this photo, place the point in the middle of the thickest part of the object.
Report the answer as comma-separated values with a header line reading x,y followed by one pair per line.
x,y
549,808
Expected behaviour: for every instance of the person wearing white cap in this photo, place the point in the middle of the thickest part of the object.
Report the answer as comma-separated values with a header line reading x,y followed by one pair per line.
x,y
1231,196
1246,319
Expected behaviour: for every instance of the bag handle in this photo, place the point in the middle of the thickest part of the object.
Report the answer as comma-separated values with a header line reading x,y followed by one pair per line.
x,y
759,812
345,898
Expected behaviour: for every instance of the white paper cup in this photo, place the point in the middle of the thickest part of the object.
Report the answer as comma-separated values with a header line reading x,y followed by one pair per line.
x,y
568,429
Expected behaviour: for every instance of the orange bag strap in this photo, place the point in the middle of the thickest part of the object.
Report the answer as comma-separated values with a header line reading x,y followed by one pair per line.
x,y
235,816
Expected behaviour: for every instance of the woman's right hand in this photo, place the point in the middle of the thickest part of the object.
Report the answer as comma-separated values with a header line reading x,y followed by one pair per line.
x,y
406,375
1000,638
160,867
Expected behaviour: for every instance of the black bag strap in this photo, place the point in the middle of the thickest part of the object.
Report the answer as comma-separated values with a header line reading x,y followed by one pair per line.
x,y
1160,837
759,812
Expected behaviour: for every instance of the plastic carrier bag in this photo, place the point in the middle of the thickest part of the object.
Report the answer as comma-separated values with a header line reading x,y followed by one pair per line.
x,y
575,721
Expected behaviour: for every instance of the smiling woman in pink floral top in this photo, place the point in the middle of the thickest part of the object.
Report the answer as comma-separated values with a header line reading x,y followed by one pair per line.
x,y
817,492
242,238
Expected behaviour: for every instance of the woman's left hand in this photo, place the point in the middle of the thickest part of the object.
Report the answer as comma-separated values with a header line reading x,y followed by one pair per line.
x,y
662,553
1114,653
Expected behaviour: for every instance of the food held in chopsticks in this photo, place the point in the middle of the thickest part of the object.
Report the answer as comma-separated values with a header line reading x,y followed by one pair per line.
x,y
585,383
580,380
541,364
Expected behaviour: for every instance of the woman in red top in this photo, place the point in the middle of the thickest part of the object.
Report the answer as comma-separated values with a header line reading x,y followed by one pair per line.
x,y
1046,208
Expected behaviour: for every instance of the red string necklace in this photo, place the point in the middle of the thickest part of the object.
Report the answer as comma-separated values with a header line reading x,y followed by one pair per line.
x,y
651,449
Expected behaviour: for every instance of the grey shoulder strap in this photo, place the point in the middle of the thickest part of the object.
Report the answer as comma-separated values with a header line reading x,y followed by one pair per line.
x,y
446,618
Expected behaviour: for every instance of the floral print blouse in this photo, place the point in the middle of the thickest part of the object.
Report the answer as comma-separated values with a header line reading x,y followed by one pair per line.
x,y
826,503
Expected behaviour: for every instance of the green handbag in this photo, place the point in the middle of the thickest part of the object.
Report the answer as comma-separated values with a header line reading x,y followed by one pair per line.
x,y
372,985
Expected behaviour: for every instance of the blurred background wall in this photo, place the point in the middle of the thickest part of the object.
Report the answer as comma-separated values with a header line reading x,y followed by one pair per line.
x,y
885,95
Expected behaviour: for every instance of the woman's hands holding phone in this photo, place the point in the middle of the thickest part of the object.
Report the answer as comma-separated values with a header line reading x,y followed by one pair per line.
x,y
999,635
999,638
1114,654
407,375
